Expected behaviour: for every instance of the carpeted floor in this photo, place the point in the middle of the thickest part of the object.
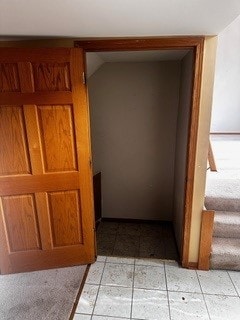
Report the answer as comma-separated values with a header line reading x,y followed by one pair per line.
x,y
40,295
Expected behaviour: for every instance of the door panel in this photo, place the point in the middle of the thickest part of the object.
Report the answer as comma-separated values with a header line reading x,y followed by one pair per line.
x,y
14,145
56,129
21,222
66,220
9,77
51,76
45,167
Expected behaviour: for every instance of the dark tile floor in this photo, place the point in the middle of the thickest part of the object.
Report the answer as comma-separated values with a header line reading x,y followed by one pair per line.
x,y
143,240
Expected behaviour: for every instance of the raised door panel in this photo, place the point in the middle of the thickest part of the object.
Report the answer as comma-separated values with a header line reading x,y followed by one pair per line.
x,y
51,76
65,215
13,142
9,77
58,138
21,223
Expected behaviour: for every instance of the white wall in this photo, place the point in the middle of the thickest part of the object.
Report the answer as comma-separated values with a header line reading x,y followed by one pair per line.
x,y
94,62
226,97
133,109
184,109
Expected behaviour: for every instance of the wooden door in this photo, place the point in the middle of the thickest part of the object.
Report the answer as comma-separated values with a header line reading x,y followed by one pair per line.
x,y
46,200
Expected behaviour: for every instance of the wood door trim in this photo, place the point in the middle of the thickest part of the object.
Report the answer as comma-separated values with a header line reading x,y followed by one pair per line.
x,y
125,44
192,148
196,43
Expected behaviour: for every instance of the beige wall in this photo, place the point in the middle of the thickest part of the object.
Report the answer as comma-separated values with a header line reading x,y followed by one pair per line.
x,y
133,109
202,144
185,95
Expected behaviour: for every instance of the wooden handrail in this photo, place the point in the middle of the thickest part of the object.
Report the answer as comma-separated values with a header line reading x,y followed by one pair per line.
x,y
211,158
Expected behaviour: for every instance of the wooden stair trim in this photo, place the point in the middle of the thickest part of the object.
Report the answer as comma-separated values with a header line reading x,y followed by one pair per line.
x,y
206,239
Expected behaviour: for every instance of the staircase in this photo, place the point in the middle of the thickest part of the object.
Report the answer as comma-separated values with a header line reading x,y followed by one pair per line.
x,y
224,199
226,241
223,196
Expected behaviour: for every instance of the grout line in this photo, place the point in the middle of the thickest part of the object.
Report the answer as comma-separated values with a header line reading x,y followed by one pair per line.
x,y
121,263
84,314
115,241
132,290
114,317
98,290
117,234
199,281
206,294
233,284
208,312
139,245
169,309
163,238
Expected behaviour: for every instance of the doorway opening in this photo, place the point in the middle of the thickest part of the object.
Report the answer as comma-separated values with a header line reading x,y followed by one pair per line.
x,y
142,111
139,113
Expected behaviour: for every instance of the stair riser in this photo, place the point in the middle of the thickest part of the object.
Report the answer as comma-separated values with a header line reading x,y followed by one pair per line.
x,y
222,204
226,262
225,254
217,264
226,231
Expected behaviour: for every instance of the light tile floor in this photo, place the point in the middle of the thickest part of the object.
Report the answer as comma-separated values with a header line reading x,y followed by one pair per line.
x,y
149,289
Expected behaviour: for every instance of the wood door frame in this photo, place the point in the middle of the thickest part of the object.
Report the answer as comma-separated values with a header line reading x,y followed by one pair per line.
x,y
196,43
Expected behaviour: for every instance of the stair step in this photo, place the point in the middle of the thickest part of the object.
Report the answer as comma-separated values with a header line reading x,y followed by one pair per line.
x,y
225,254
223,194
222,204
226,224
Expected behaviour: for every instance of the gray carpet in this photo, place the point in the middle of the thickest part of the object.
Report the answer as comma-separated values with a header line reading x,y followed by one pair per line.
x,y
223,196
226,224
40,295
225,254
223,187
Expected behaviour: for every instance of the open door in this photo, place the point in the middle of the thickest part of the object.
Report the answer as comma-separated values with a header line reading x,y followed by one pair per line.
x,y
46,206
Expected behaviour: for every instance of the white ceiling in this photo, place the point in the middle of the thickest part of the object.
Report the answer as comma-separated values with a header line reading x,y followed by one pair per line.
x,y
114,18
